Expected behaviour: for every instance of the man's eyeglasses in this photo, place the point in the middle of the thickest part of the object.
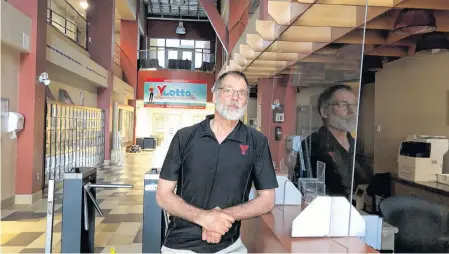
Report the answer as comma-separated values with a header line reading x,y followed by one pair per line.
x,y
230,92
345,105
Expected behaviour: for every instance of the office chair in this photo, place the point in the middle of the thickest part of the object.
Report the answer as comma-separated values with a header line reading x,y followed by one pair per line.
x,y
423,225
378,189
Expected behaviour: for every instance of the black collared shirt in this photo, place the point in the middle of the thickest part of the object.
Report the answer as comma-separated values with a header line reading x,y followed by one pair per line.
x,y
323,146
212,175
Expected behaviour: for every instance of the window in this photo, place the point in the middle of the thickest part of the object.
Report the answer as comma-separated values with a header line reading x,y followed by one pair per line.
x,y
157,42
187,44
172,43
187,55
197,52
203,44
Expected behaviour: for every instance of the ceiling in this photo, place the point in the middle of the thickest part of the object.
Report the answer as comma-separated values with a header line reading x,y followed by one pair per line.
x,y
320,42
190,9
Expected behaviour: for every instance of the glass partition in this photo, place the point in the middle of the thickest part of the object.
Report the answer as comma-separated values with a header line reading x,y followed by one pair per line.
x,y
308,83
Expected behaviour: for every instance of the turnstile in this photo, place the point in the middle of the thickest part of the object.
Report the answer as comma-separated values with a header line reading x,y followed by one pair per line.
x,y
155,220
78,209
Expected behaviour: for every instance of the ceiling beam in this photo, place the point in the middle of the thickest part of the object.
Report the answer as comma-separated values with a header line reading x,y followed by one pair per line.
x,y
426,4
217,23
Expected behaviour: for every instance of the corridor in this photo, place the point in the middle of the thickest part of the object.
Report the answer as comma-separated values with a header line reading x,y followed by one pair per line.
x,y
23,227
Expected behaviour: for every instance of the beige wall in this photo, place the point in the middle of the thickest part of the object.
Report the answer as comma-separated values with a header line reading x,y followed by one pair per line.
x,y
411,97
90,96
17,36
146,126
10,63
252,108
64,53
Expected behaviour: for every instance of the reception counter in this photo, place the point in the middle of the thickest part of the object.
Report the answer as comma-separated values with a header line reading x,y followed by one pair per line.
x,y
272,233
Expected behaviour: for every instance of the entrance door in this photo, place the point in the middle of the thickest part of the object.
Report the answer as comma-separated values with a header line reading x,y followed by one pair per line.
x,y
159,127
173,123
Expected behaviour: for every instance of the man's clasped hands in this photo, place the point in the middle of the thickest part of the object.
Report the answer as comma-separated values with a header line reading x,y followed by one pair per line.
x,y
215,224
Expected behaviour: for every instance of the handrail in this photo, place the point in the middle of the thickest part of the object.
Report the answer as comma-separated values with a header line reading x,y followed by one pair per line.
x,y
120,58
70,29
152,59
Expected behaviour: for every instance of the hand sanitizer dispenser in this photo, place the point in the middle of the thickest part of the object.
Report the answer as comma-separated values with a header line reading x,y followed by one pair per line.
x,y
15,123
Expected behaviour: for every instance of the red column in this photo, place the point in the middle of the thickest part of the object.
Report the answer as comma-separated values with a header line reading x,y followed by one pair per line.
x,y
30,141
218,56
129,35
100,17
269,90
238,19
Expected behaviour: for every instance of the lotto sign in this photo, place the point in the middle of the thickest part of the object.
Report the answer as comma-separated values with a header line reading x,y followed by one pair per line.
x,y
159,93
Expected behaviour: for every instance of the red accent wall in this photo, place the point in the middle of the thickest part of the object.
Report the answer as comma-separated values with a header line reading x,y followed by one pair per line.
x,y
238,20
175,74
129,33
31,103
269,90
100,17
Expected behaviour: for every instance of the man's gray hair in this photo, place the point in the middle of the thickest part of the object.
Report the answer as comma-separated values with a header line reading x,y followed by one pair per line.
x,y
326,96
217,84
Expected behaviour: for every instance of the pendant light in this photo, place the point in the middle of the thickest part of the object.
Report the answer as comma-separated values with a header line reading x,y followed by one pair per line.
x,y
181,29
435,42
414,21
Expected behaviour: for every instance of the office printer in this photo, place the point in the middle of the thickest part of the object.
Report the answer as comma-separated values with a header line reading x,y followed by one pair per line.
x,y
421,157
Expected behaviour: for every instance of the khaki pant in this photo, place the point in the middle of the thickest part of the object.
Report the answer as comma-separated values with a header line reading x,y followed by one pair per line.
x,y
237,247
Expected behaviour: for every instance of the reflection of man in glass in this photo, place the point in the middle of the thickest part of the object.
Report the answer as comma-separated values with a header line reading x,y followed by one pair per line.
x,y
151,94
333,143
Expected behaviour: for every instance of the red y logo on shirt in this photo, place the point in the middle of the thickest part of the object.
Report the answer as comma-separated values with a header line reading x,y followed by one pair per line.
x,y
243,148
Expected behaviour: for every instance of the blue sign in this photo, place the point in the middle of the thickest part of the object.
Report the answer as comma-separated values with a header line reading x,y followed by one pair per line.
x,y
160,93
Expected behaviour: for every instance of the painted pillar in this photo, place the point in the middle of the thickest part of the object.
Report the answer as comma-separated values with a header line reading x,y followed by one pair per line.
x,y
129,36
218,57
100,17
31,104
238,20
269,90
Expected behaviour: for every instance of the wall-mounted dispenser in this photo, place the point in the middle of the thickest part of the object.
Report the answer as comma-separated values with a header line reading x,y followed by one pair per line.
x,y
15,123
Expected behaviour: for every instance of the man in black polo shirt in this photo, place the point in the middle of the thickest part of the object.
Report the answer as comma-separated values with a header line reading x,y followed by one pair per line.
x,y
333,143
213,165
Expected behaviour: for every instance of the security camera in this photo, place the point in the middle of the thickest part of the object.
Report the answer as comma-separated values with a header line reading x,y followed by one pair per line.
x,y
275,104
43,78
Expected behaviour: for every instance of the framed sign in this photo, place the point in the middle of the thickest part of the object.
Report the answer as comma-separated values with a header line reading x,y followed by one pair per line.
x,y
278,114
279,117
187,94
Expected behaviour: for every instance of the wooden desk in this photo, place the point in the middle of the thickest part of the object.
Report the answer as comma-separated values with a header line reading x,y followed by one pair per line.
x,y
271,233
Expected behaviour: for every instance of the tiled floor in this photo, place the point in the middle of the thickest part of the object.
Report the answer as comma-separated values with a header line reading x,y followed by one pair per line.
x,y
23,227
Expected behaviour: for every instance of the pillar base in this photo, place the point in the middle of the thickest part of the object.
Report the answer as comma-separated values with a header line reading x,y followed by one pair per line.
x,y
8,202
28,199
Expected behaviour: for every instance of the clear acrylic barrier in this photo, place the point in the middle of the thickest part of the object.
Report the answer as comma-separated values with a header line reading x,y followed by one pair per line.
x,y
308,83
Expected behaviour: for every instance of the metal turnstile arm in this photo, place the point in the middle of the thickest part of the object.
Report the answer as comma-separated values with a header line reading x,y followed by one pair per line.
x,y
87,193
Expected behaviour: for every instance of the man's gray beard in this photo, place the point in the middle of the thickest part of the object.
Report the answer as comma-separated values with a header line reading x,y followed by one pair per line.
x,y
341,123
229,115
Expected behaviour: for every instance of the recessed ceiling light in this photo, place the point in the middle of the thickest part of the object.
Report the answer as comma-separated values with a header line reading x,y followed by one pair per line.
x,y
84,4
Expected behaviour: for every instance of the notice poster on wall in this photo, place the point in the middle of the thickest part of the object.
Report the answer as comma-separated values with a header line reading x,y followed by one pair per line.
x,y
187,94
